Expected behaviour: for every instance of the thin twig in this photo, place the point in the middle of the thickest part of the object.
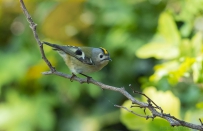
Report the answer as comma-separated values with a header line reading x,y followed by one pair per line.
x,y
147,117
172,120
148,99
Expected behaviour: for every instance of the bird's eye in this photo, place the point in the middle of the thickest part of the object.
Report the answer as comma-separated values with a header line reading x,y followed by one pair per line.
x,y
78,52
101,56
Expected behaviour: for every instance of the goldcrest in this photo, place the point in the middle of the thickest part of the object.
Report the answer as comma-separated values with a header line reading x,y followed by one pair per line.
x,y
82,60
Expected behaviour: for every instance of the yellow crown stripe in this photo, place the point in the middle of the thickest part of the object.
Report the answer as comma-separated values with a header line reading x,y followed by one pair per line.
x,y
104,50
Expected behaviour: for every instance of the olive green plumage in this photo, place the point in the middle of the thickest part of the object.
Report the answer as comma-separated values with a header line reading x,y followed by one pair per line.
x,y
82,60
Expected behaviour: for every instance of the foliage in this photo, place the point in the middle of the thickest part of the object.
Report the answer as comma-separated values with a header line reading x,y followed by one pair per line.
x,y
141,35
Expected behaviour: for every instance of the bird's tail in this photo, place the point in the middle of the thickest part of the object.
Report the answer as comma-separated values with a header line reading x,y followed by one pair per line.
x,y
55,47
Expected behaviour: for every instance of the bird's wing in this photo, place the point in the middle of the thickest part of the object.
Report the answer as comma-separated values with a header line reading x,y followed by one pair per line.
x,y
73,51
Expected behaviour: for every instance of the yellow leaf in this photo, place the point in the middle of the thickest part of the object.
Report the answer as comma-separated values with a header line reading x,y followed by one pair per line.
x,y
166,100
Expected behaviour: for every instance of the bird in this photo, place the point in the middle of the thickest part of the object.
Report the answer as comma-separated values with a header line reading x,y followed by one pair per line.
x,y
82,60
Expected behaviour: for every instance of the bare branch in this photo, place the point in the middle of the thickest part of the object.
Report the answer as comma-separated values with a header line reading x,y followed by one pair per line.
x,y
148,100
33,26
153,109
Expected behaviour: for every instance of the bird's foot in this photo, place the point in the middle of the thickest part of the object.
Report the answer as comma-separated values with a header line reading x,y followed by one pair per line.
x,y
88,77
71,78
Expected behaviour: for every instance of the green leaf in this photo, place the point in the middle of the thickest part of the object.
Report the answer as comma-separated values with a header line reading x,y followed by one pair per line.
x,y
182,70
129,119
166,41
167,28
199,105
158,51
196,44
185,48
193,115
160,124
164,69
198,70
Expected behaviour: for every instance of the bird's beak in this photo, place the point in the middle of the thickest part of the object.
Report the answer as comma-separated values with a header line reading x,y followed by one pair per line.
x,y
109,59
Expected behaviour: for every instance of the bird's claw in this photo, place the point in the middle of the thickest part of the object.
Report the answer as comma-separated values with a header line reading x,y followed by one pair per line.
x,y
71,78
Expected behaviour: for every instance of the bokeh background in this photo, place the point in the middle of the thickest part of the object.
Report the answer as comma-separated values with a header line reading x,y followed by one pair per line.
x,y
155,45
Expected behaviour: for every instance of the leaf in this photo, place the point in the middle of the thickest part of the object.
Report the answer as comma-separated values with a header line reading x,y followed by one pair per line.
x,y
167,28
185,48
182,70
198,70
196,44
158,51
129,119
199,105
166,100
163,70
193,115
166,41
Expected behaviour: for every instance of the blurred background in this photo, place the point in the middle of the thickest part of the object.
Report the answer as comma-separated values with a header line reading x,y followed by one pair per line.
x,y
155,45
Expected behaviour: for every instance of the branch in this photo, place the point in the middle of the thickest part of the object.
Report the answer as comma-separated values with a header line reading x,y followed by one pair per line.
x,y
33,26
155,110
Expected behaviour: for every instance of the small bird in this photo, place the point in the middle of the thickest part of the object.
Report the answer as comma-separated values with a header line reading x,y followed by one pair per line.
x,y
82,60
